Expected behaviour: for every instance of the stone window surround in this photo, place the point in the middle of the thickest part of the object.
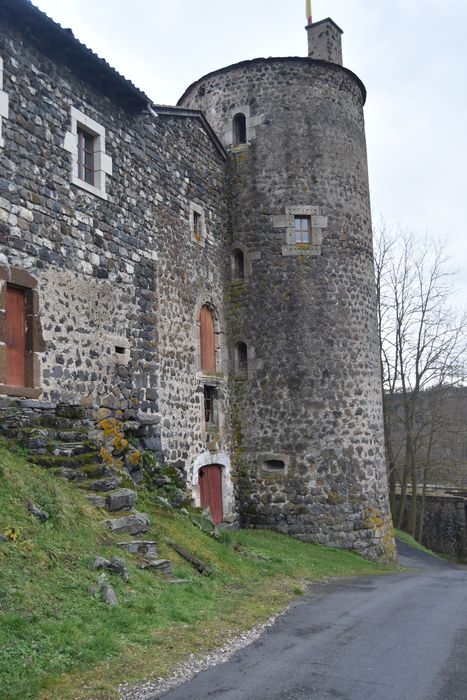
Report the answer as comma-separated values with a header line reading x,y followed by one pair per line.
x,y
251,124
254,363
119,341
102,161
34,340
318,224
221,459
273,457
200,239
4,103
207,300
249,257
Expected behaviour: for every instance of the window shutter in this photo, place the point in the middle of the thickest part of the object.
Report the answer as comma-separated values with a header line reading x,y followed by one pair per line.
x,y
207,340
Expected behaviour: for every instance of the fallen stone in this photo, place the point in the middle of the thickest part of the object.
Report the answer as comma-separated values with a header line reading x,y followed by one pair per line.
x,y
4,539
38,513
179,581
115,564
135,524
108,594
123,499
119,567
142,547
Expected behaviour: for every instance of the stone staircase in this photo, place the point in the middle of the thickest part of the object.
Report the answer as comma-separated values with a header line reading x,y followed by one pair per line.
x,y
72,444
63,439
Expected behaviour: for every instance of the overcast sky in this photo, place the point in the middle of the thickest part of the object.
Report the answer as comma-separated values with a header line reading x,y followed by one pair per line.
x,y
411,55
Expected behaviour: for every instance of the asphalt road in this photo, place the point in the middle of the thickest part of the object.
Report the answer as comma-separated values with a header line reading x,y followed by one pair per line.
x,y
396,637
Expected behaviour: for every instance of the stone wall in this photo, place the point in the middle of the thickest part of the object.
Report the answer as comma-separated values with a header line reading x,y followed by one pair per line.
x,y
307,419
119,279
444,524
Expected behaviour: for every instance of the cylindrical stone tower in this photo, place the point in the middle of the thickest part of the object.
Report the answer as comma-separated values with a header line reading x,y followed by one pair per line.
x,y
306,413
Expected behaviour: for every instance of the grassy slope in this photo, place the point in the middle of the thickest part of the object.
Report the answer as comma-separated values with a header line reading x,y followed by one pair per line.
x,y
58,641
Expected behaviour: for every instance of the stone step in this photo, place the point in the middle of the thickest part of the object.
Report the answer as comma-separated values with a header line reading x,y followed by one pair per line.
x,y
141,547
164,566
108,483
73,449
133,524
69,474
121,499
97,501
78,435
73,461
97,471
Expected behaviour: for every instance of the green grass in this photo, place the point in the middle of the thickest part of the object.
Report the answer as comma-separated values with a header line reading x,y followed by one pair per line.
x,y
59,641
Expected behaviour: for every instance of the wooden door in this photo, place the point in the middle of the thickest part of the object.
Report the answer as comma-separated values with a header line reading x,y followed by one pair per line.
x,y
15,337
207,340
210,488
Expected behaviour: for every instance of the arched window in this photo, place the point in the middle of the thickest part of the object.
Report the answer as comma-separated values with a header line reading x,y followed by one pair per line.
x,y
239,129
241,358
238,265
207,340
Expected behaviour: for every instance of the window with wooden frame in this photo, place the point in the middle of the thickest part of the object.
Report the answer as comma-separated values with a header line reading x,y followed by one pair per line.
x,y
207,340
302,229
86,149
210,405
90,164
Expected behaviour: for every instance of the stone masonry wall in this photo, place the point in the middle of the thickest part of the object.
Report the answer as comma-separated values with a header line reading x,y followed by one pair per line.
x,y
307,419
123,273
444,524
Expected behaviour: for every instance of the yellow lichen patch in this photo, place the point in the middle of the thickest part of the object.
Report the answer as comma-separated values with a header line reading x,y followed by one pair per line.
x,y
374,519
106,456
136,457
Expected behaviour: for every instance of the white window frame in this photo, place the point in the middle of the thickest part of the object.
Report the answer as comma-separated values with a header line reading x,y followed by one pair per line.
x,y
4,103
102,161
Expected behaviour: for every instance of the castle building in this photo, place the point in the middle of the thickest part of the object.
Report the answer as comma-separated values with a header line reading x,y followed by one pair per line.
x,y
202,271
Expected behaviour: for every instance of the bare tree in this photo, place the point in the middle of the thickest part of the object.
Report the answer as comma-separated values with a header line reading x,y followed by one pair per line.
x,y
423,345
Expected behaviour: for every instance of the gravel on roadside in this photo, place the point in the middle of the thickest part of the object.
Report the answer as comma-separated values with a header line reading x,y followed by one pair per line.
x,y
196,663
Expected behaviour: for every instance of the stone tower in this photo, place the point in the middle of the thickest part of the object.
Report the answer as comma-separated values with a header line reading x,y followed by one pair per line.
x,y
305,376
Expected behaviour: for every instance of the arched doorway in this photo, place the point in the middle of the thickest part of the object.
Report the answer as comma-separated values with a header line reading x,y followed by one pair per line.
x,y
210,491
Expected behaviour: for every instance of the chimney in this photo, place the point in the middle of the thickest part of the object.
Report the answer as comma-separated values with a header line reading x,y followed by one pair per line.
x,y
325,41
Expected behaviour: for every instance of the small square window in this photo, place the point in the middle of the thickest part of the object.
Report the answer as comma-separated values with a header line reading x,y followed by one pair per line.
x,y
303,230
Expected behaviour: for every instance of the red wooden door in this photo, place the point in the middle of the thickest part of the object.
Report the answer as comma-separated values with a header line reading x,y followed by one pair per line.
x,y
15,337
210,487
207,340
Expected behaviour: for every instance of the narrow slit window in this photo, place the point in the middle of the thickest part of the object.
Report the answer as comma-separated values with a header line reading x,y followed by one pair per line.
x,y
210,405
86,147
242,358
303,229
238,265
197,224
239,129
